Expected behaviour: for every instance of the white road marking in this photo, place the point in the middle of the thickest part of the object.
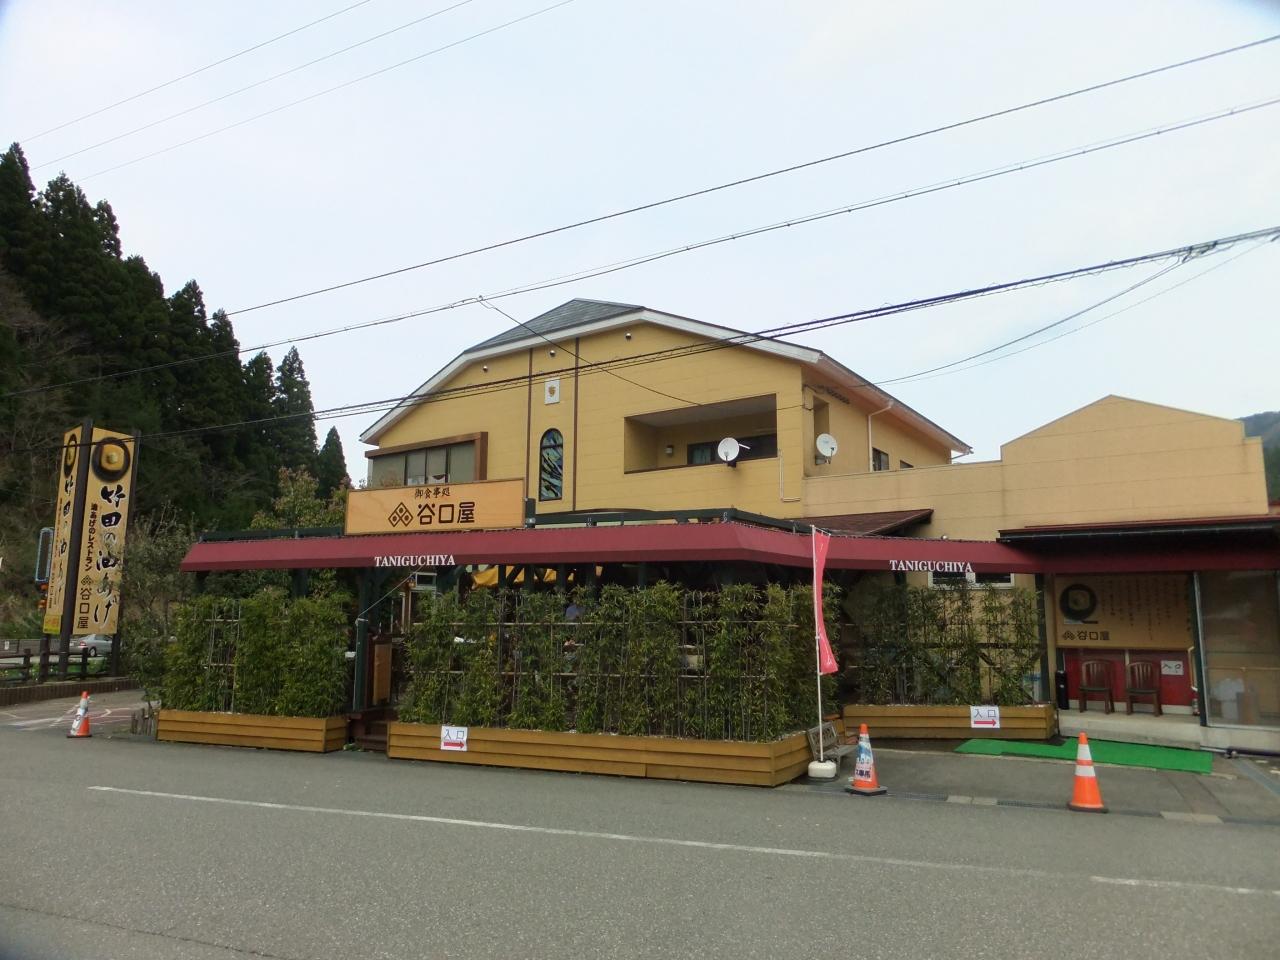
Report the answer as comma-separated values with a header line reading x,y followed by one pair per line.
x,y
1176,885
1190,817
105,717
696,844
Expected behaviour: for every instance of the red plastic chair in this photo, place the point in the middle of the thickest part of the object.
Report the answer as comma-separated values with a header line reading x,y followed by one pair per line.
x,y
1142,680
1095,677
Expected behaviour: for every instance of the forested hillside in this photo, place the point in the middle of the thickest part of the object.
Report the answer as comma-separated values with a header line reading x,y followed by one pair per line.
x,y
77,319
1267,426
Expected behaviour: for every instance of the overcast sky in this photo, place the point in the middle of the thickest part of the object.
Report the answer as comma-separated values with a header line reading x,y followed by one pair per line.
x,y
602,104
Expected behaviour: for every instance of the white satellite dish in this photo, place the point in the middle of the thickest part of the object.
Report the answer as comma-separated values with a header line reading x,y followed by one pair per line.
x,y
728,450
826,445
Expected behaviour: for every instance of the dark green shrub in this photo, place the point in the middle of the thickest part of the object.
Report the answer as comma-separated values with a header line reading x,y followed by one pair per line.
x,y
267,655
315,675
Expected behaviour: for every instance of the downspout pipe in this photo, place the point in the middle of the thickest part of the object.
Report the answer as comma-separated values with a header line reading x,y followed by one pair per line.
x,y
870,457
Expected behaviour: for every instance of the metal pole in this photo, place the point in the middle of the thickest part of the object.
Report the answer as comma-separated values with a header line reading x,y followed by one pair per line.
x,y
1043,628
1199,662
817,648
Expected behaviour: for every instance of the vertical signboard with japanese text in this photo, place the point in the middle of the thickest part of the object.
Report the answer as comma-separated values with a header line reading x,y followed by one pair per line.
x,y
105,521
68,463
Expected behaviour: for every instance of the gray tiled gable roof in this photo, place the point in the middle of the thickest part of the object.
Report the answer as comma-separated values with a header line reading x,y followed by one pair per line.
x,y
563,317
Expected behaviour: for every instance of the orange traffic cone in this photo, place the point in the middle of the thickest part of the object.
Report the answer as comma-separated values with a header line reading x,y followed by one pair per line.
x,y
1086,797
864,782
80,725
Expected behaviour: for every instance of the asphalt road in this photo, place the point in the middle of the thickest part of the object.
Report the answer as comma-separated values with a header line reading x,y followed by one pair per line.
x,y
126,848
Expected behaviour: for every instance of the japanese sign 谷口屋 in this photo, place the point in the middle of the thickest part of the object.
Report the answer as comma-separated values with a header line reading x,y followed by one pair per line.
x,y
430,508
102,533
1135,611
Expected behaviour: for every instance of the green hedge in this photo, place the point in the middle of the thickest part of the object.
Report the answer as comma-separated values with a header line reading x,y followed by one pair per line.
x,y
267,654
930,645
660,661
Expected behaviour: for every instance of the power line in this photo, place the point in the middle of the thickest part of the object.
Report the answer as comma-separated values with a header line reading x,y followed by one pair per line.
x,y
618,266
739,339
185,76
577,356
251,86
1026,336
1084,326
755,178
328,90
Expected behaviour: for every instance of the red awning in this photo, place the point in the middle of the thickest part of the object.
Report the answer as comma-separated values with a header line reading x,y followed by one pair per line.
x,y
872,524
712,542
1153,546
684,542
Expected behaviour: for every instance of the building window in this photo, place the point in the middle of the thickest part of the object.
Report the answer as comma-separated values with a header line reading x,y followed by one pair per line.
x,y
1240,642
903,465
978,579
700,453
445,463
761,447
551,466
879,459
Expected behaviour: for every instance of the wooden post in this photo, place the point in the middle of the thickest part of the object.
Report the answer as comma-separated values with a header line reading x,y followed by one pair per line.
x,y
1047,681
118,640
359,695
72,572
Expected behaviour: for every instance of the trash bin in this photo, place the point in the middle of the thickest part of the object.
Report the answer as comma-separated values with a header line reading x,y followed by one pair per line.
x,y
1060,689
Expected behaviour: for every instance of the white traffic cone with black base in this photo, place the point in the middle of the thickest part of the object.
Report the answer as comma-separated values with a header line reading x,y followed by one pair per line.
x,y
80,725
864,781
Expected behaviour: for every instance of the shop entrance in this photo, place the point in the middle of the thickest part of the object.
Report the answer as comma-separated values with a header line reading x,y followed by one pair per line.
x,y
1123,633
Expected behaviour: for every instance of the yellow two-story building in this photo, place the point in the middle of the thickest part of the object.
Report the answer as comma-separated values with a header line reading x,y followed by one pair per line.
x,y
604,406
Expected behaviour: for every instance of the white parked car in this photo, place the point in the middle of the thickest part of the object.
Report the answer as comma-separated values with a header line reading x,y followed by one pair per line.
x,y
97,644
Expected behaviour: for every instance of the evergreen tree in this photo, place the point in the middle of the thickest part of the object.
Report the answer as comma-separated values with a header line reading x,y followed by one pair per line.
x,y
24,240
331,465
72,306
258,403
295,437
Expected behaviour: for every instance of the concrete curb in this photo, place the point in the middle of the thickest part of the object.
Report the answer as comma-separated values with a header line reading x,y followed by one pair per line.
x,y
990,802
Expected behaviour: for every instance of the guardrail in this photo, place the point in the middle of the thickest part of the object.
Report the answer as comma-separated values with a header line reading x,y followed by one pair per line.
x,y
19,668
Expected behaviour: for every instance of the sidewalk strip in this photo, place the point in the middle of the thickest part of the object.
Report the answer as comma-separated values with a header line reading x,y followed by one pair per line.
x,y
1190,817
695,844
1253,773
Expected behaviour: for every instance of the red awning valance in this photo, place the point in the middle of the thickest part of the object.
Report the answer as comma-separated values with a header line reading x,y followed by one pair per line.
x,y
712,542
691,542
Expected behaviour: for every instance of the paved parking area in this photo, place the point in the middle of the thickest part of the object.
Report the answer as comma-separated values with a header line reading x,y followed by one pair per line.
x,y
107,712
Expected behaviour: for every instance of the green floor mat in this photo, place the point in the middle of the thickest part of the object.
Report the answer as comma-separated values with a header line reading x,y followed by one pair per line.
x,y
1104,751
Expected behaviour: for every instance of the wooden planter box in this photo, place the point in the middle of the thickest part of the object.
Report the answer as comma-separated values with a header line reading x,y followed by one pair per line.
x,y
310,734
660,758
903,721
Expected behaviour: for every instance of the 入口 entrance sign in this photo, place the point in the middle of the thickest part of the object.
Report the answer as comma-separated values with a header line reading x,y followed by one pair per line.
x,y
486,505
453,738
984,718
